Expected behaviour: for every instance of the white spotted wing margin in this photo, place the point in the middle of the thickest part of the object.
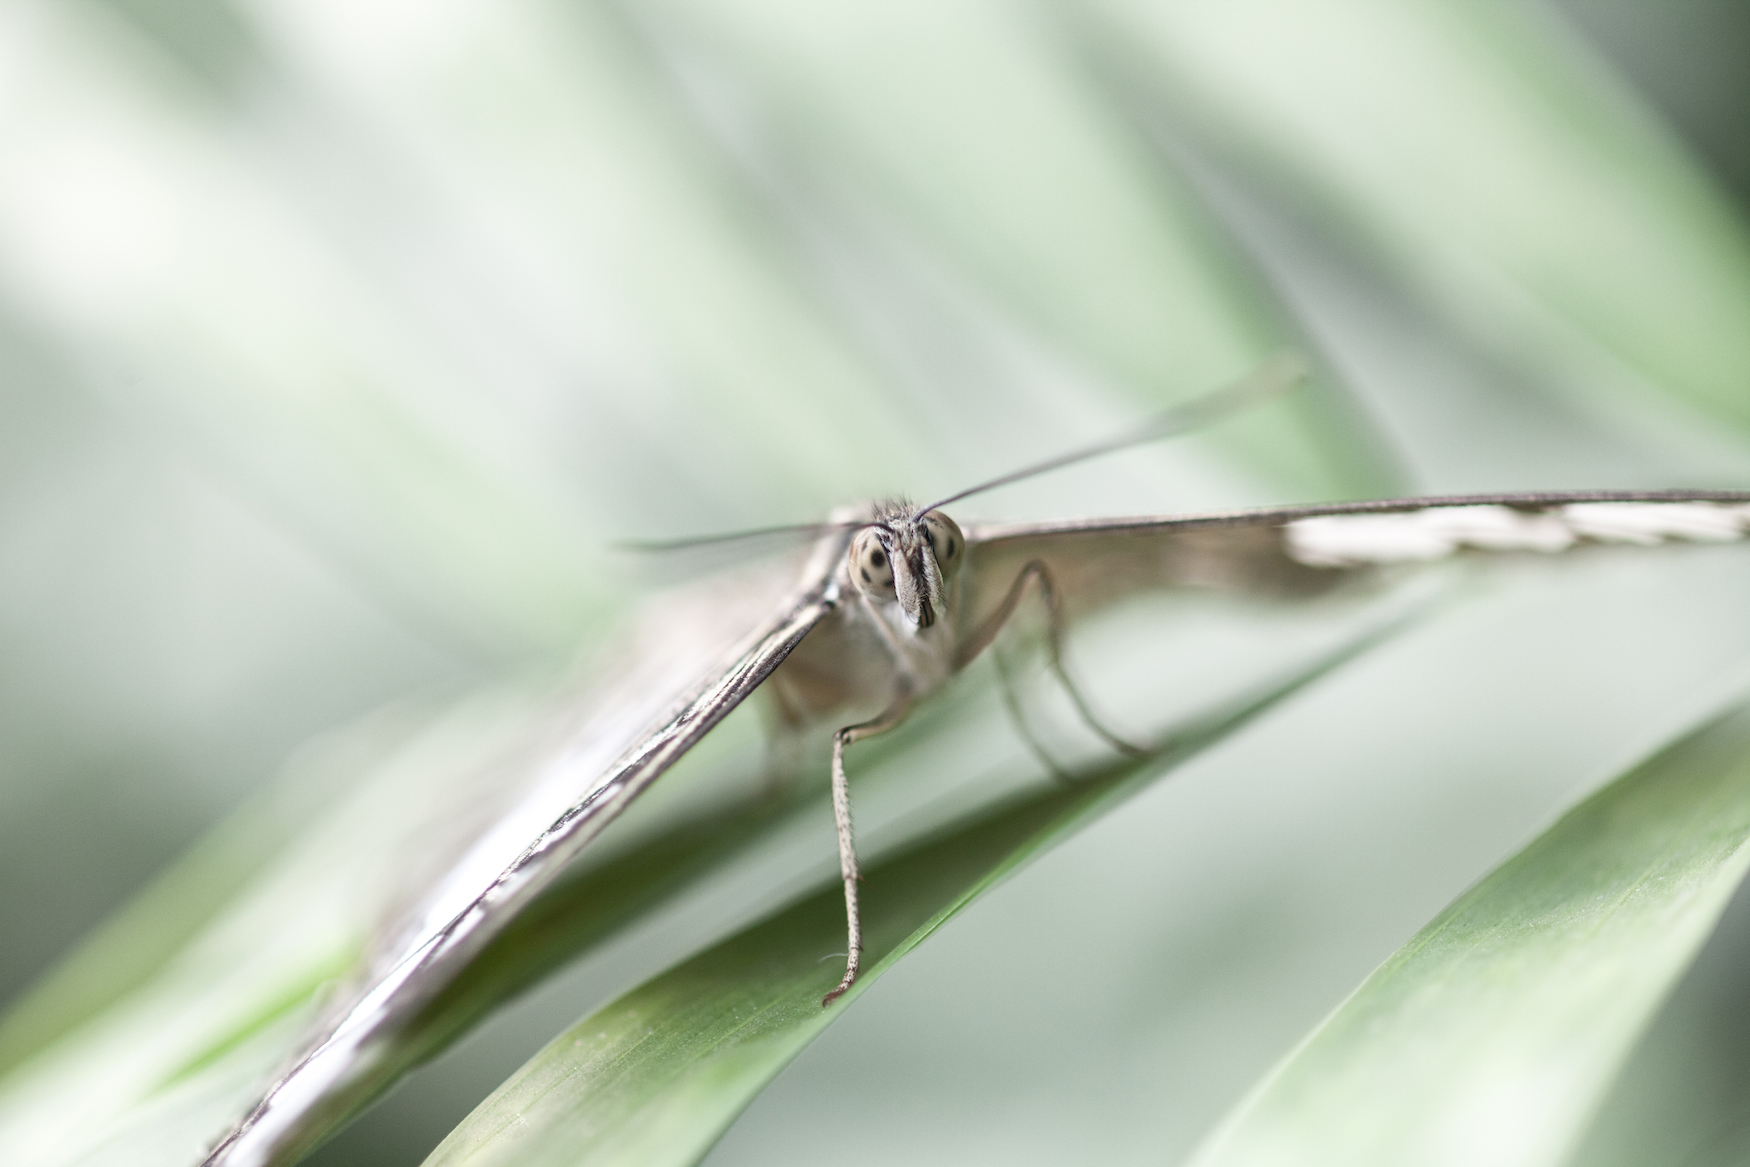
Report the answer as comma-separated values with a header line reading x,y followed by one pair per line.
x,y
471,906
1300,551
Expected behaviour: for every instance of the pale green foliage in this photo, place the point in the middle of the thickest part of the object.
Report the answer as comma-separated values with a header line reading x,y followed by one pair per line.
x,y
338,343
1492,1034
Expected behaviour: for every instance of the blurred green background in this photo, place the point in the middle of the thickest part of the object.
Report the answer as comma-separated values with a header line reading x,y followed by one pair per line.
x,y
337,343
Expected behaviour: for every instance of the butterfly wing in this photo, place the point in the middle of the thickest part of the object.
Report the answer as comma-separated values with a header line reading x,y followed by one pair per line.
x,y
684,664
1303,551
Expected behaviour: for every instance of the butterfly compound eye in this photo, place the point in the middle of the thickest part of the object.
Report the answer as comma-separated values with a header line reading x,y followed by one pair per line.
x,y
946,541
871,570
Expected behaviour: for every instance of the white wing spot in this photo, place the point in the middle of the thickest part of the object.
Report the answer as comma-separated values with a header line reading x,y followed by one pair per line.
x,y
1497,528
1418,536
1346,540
1626,522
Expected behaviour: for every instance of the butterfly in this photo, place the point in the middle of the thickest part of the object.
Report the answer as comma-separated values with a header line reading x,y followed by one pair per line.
x,y
889,602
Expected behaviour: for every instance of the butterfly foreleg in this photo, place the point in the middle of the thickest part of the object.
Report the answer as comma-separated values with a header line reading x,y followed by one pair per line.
x,y
841,813
1036,573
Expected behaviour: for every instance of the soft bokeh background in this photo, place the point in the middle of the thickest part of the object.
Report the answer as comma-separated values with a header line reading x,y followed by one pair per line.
x,y
338,341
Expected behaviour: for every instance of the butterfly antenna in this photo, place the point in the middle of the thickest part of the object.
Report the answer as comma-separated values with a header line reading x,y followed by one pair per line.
x,y
1271,379
691,541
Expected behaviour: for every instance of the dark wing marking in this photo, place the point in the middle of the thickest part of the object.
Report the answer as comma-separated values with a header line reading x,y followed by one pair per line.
x,y
1303,550
642,725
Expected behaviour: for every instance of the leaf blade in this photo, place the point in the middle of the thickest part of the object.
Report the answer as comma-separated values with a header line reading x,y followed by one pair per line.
x,y
658,1075
1507,1017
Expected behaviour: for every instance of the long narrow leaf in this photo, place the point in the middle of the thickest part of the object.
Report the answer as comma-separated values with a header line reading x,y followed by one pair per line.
x,y
656,1077
1492,1035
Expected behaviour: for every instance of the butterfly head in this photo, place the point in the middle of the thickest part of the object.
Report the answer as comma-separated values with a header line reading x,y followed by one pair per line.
x,y
908,558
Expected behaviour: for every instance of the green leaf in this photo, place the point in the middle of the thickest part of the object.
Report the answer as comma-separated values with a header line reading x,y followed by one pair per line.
x,y
658,1075
1492,1035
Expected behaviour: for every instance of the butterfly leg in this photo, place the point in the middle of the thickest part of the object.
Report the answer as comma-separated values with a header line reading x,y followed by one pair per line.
x,y
841,813
1017,715
1038,574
